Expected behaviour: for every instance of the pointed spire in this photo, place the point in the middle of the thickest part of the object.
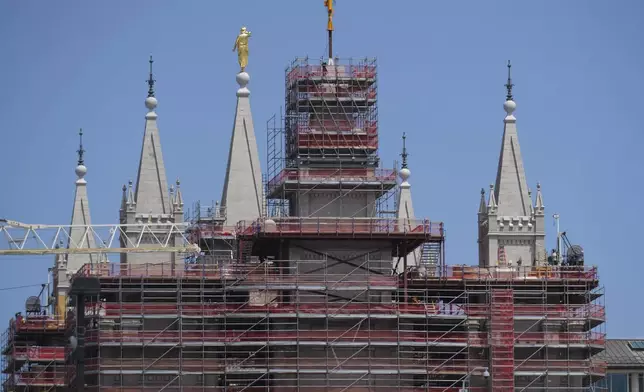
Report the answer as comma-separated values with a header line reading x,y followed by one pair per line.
x,y
482,203
242,196
539,207
509,85
405,211
511,188
151,193
510,202
80,237
151,80
404,151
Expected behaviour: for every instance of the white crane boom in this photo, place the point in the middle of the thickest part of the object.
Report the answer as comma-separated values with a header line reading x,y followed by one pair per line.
x,y
17,238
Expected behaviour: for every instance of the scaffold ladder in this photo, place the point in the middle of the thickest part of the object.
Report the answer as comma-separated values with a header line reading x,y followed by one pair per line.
x,y
245,250
501,255
502,340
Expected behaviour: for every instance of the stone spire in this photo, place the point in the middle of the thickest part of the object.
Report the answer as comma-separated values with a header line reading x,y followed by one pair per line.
x,y
405,209
150,202
151,194
511,187
79,237
510,222
242,196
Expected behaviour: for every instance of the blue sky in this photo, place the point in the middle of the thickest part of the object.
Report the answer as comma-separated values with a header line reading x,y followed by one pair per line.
x,y
578,87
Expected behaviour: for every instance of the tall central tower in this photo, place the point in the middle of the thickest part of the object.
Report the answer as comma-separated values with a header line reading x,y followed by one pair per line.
x,y
330,162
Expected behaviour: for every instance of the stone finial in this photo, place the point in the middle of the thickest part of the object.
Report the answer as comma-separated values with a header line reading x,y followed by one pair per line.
x,y
172,200
404,171
509,84
81,150
509,105
81,169
151,101
130,202
124,198
404,154
178,197
491,205
482,204
539,206
151,80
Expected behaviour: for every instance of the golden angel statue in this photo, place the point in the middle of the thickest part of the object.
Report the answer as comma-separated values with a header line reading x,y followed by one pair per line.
x,y
241,45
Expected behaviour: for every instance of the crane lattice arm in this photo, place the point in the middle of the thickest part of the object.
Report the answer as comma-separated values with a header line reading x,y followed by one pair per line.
x,y
18,238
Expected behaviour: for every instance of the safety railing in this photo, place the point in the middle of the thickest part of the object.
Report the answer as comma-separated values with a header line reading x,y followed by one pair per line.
x,y
172,337
321,308
332,126
207,212
38,353
479,339
260,274
344,227
36,323
192,365
587,366
251,388
35,378
303,70
409,365
202,230
233,269
325,140
334,175
524,273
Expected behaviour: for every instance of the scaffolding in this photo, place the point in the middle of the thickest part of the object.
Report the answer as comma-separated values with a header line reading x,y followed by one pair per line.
x,y
33,354
328,141
300,325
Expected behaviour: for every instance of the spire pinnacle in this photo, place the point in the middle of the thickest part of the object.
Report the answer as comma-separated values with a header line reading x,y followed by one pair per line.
x,y
151,80
80,150
404,154
482,203
509,84
130,196
178,198
539,202
492,204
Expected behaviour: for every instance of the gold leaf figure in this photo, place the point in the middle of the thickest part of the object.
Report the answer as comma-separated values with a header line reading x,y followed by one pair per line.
x,y
241,45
